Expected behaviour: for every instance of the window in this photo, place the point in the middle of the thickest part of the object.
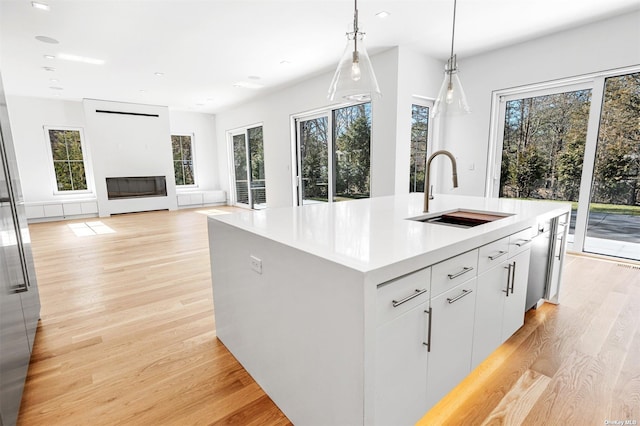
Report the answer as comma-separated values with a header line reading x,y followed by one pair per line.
x,y
613,225
183,169
248,167
256,165
419,136
578,142
333,154
543,146
67,154
352,136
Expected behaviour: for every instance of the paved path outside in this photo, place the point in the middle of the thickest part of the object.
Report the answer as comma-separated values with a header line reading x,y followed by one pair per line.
x,y
618,227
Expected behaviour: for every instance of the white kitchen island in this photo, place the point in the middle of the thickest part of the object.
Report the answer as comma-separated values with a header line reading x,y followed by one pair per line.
x,y
351,314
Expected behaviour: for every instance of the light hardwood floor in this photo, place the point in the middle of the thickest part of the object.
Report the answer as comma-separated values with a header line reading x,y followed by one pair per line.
x,y
127,337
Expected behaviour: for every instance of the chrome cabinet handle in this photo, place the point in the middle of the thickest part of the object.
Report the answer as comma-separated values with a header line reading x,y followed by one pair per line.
x,y
417,293
428,342
508,268
465,269
20,288
495,256
561,239
523,243
513,276
460,296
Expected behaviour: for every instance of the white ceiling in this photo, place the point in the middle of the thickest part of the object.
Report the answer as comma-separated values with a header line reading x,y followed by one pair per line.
x,y
203,47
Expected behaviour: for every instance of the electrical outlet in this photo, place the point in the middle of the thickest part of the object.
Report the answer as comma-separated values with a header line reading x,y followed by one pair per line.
x,y
256,264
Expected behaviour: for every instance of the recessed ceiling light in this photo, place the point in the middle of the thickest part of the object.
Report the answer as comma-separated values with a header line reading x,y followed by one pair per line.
x,y
209,99
159,74
54,80
83,59
247,85
253,77
46,39
56,88
199,104
49,57
383,14
142,91
41,6
50,69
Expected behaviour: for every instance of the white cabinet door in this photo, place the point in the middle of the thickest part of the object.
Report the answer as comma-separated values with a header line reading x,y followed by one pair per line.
x,y
487,329
452,315
401,368
514,305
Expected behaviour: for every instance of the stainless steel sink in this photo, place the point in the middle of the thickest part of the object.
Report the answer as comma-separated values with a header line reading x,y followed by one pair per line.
x,y
461,218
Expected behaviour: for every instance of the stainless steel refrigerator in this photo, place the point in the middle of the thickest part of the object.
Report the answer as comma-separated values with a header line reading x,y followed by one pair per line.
x,y
19,300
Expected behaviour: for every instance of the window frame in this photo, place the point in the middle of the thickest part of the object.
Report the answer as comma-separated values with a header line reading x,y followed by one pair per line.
x,y
426,103
498,112
596,83
296,161
195,184
243,130
86,157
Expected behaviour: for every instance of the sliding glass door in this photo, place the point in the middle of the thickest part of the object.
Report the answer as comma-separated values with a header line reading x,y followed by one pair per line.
x,y
614,206
333,155
543,146
313,160
240,169
248,168
577,143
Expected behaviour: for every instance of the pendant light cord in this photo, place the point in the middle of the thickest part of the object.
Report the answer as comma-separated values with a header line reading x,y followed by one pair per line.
x,y
453,31
451,63
355,25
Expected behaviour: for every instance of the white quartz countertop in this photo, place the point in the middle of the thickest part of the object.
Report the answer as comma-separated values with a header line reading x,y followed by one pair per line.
x,y
374,236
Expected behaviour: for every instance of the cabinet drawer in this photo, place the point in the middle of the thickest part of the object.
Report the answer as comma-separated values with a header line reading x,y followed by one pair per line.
x,y
451,272
493,254
400,295
520,241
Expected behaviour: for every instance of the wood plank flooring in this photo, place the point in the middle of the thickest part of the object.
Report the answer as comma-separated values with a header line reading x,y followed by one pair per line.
x,y
127,333
127,337
577,363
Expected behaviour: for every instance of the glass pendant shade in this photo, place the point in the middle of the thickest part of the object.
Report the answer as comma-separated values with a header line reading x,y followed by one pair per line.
x,y
354,79
451,99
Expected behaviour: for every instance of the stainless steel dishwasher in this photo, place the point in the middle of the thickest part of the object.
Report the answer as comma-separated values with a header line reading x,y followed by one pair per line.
x,y
547,255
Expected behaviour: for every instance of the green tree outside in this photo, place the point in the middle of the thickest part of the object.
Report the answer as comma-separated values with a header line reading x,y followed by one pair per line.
x,y
544,146
68,161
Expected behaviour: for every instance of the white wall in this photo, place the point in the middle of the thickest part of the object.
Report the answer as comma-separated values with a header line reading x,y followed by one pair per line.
x,y
28,117
275,111
401,73
203,128
418,75
609,44
384,124
129,145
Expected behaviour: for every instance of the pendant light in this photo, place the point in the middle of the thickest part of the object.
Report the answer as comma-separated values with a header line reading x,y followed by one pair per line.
x,y
354,79
451,98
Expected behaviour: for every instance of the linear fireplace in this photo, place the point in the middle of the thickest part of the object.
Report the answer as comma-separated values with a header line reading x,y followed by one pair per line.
x,y
136,187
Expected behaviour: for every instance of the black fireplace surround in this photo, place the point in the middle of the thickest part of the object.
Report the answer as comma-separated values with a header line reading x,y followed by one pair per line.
x,y
136,187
